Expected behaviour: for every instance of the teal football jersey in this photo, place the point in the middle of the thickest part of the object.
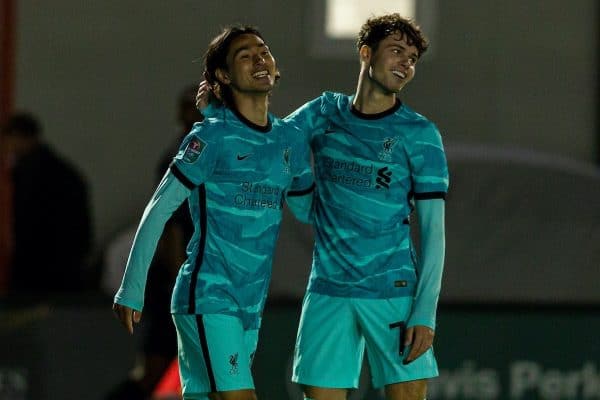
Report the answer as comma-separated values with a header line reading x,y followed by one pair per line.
x,y
369,169
237,176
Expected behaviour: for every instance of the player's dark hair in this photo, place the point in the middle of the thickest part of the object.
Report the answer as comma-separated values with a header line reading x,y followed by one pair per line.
x,y
216,57
22,124
378,28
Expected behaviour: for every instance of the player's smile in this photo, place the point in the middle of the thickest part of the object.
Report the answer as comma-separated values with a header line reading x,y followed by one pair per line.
x,y
399,74
263,76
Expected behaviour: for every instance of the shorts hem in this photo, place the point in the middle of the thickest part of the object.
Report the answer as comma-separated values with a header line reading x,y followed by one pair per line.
x,y
219,390
379,385
321,384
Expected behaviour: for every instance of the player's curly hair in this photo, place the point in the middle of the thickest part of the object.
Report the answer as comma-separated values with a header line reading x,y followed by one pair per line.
x,y
216,57
378,28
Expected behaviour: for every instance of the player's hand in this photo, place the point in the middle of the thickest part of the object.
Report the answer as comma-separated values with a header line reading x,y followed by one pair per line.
x,y
420,339
203,95
127,316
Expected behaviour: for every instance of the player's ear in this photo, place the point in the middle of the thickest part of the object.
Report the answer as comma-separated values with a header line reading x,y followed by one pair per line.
x,y
277,75
222,76
364,53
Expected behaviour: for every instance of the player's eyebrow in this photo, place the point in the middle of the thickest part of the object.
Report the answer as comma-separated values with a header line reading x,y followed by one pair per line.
x,y
400,46
237,51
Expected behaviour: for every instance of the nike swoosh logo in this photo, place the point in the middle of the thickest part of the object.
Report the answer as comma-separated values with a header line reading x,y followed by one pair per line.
x,y
243,157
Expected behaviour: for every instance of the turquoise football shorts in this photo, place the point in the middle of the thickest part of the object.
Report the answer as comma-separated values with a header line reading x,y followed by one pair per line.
x,y
215,353
334,332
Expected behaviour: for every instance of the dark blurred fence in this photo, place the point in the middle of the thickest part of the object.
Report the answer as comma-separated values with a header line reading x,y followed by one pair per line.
x,y
484,352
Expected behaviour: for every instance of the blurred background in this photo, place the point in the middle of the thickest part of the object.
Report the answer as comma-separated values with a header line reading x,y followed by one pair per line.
x,y
512,85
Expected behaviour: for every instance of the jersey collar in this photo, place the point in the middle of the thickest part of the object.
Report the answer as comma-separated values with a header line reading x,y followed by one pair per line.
x,y
250,124
382,114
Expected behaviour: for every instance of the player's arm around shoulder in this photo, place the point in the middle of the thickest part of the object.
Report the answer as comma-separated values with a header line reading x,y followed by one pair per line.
x,y
311,117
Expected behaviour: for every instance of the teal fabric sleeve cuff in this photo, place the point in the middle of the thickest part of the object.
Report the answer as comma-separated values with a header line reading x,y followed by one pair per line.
x,y
300,203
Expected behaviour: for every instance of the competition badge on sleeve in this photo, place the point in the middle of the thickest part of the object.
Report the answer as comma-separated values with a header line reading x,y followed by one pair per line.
x,y
193,150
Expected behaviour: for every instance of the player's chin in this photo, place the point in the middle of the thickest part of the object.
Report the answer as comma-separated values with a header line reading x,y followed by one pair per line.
x,y
263,88
393,89
397,88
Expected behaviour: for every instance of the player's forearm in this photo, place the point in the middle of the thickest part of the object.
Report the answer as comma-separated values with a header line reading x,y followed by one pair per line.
x,y
431,262
167,198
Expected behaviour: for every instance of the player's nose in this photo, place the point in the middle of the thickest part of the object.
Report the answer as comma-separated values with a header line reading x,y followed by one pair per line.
x,y
259,59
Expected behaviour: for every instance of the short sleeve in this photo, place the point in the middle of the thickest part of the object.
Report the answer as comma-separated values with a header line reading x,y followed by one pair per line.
x,y
303,179
429,168
299,196
196,158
